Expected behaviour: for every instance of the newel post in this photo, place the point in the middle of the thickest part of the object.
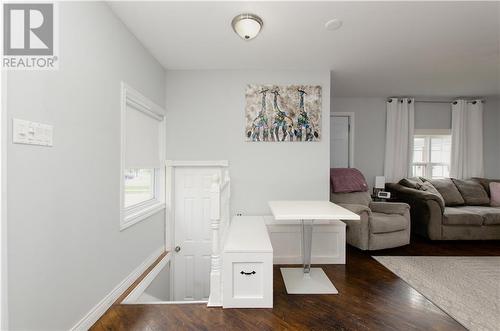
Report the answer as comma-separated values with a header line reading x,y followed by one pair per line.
x,y
215,298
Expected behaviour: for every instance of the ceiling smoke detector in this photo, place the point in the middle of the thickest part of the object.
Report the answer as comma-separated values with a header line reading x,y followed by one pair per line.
x,y
247,26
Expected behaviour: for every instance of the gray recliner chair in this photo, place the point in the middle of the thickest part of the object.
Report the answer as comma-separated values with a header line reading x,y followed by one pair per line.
x,y
382,224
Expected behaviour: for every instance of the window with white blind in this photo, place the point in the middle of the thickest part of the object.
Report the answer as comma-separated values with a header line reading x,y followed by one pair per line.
x,y
143,134
431,155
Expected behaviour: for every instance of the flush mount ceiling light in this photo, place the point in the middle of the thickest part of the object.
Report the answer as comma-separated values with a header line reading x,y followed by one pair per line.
x,y
247,26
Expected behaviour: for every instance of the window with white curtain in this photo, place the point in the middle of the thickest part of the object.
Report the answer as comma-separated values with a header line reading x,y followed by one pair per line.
x,y
431,155
143,134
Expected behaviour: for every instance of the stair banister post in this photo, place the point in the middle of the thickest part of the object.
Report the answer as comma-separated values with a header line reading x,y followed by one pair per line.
x,y
215,298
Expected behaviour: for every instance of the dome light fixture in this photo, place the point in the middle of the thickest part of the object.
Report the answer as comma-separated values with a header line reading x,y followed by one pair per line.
x,y
247,26
333,24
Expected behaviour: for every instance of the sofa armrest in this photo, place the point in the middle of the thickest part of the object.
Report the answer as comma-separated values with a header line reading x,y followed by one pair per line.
x,y
358,231
406,193
426,210
355,208
390,207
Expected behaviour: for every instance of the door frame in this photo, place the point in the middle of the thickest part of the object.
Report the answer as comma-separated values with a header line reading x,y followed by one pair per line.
x,y
350,115
170,166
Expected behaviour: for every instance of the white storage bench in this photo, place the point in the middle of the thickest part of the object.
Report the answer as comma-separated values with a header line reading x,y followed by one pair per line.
x,y
328,242
247,279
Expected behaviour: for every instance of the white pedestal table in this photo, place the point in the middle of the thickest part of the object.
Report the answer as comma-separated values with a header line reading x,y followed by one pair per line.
x,y
308,280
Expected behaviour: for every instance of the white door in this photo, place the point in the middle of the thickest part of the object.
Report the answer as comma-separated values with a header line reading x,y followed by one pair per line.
x,y
340,143
192,235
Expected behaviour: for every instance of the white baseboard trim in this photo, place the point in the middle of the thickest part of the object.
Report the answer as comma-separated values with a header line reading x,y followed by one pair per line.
x,y
174,302
95,313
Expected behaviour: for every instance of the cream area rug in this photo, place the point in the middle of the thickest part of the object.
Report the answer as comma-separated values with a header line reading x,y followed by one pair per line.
x,y
466,288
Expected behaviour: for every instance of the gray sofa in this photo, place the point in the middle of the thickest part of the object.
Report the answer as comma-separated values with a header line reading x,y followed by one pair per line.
x,y
381,225
449,209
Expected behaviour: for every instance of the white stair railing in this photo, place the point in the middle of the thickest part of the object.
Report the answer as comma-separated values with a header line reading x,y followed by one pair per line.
x,y
220,194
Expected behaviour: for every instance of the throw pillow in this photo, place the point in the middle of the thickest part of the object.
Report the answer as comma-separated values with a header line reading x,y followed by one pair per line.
x,y
449,191
427,187
495,194
485,182
473,193
413,182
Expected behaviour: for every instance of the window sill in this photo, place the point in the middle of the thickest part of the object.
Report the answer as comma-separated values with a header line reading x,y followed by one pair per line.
x,y
139,214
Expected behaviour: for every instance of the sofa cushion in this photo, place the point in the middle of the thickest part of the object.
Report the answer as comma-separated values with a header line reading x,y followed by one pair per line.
x,y
485,183
449,191
490,215
412,182
472,192
429,188
495,194
384,223
461,216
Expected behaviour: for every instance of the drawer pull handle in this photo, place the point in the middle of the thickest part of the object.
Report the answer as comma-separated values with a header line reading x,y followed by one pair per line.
x,y
248,273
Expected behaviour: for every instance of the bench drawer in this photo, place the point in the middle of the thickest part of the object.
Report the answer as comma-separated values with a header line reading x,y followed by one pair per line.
x,y
248,280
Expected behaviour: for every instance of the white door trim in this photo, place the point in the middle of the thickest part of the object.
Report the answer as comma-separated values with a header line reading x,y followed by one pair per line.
x,y
171,165
169,196
351,133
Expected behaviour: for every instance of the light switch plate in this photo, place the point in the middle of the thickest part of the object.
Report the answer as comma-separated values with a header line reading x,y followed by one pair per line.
x,y
31,133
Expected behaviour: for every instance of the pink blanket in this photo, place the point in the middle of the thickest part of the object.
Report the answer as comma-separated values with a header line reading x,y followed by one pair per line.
x,y
343,180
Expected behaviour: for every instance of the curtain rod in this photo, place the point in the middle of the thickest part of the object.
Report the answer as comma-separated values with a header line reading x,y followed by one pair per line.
x,y
454,101
433,101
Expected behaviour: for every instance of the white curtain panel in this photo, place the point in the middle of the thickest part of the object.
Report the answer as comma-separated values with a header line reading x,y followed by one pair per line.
x,y
466,139
399,138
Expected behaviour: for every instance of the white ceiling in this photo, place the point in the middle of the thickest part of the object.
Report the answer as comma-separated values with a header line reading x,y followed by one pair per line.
x,y
383,49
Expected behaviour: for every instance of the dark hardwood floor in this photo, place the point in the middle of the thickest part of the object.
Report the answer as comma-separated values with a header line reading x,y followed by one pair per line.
x,y
370,298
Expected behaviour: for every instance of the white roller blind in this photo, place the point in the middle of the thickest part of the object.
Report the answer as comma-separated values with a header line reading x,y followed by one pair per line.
x,y
142,138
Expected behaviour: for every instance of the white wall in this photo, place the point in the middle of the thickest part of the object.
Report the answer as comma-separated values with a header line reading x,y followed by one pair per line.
x,y
370,123
3,205
65,248
206,121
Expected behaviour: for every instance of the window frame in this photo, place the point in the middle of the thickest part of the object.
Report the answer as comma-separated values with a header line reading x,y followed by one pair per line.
x,y
428,135
141,211
154,189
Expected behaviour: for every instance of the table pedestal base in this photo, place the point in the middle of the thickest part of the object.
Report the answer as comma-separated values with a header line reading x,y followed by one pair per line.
x,y
316,282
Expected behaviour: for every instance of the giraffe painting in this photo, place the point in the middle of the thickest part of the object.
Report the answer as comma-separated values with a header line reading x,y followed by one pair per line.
x,y
283,113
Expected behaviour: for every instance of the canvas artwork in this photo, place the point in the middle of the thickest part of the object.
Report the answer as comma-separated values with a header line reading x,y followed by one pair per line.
x,y
283,113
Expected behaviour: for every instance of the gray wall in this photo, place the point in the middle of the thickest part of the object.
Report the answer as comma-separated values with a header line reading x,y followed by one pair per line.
x,y
369,133
206,121
491,123
432,115
65,248
160,286
370,117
